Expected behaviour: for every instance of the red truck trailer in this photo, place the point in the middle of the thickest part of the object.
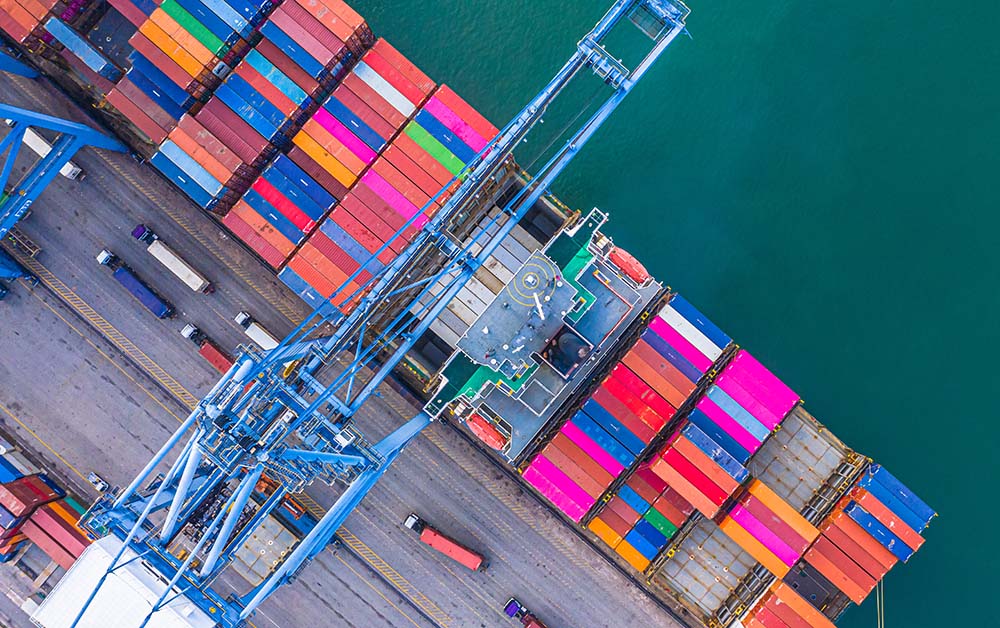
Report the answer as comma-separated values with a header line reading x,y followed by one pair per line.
x,y
208,349
447,546
515,610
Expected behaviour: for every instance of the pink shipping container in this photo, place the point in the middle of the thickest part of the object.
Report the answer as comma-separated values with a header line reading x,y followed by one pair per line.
x,y
663,329
746,440
783,397
592,449
765,535
750,399
547,488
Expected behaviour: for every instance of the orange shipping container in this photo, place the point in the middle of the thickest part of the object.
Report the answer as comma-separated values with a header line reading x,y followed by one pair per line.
x,y
669,372
782,508
888,518
263,228
605,533
172,49
859,535
214,167
784,612
632,556
335,147
865,560
182,37
684,488
37,10
840,570
573,471
326,161
655,381
805,610
754,547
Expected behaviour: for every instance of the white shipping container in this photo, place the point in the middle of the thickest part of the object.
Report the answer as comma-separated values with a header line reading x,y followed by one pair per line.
x,y
178,266
690,333
261,336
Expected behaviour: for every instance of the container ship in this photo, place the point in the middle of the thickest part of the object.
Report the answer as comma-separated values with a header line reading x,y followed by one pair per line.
x,y
623,408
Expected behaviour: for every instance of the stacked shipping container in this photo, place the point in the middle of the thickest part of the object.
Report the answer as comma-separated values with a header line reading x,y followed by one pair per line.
x,y
54,529
632,405
642,518
19,498
300,52
875,525
783,607
11,536
393,187
768,528
23,20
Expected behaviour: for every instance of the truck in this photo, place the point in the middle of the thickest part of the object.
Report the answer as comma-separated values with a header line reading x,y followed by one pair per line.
x,y
446,545
173,262
261,337
208,349
160,307
516,610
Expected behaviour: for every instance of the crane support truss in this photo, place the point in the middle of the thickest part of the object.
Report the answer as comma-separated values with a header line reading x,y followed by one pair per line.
x,y
288,413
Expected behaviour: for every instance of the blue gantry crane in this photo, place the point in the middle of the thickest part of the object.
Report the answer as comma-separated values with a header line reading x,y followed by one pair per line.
x,y
289,413
17,200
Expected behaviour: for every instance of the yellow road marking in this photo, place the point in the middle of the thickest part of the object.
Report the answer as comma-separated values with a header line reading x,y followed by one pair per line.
x,y
105,328
42,441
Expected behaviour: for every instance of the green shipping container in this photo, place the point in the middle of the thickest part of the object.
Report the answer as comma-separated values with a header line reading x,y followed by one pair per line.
x,y
660,522
434,148
191,24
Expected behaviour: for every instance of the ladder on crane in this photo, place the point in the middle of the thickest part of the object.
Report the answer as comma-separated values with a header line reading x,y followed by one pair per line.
x,y
296,425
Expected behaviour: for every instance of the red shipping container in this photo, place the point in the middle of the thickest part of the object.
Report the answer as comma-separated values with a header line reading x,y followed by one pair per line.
x,y
409,168
332,252
13,28
664,506
860,536
616,523
635,405
667,370
573,471
887,518
256,243
161,60
422,158
774,523
162,119
295,31
404,65
24,494
288,67
263,228
839,569
378,205
314,27
394,77
210,143
335,278
130,11
48,545
374,100
685,488
287,208
857,553
695,476
336,16
266,89
357,208
646,473
466,112
678,500
314,170
61,531
136,116
592,468
785,613
232,130
642,489
634,384
706,465
365,112
623,414
653,378
361,234
627,514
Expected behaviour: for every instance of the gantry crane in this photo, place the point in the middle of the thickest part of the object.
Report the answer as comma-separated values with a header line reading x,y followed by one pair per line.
x,y
14,203
288,413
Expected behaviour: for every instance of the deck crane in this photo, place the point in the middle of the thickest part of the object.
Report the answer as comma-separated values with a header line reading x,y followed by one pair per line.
x,y
296,424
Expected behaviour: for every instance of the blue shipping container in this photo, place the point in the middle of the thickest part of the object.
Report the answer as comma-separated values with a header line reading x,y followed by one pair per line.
x,y
700,321
79,46
719,435
273,216
159,96
8,520
8,472
193,169
162,81
153,303
249,94
739,414
671,355
187,185
294,193
644,547
215,25
650,533
633,499
364,132
350,246
252,10
714,450
277,78
294,51
604,440
444,135
299,286
879,532
614,427
230,17
316,191
902,493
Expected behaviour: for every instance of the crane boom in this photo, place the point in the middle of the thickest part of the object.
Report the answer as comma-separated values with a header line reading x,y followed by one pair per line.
x,y
295,424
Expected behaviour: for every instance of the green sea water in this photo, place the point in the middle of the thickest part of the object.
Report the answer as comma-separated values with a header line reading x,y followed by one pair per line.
x,y
821,179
